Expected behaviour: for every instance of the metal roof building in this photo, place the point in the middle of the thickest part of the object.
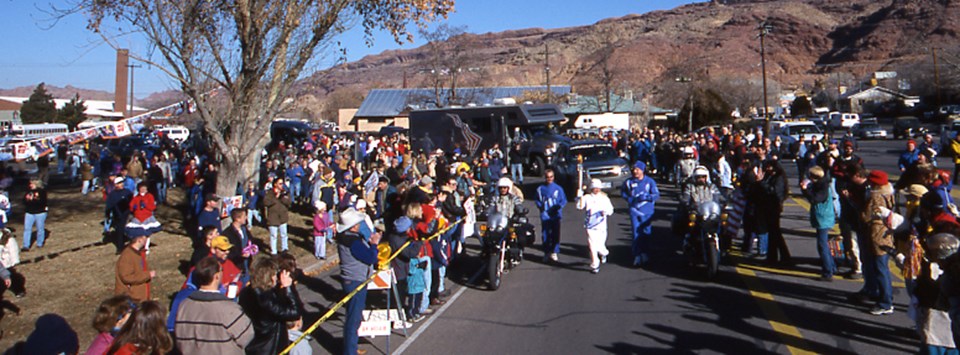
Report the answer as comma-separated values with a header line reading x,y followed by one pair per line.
x,y
390,103
619,104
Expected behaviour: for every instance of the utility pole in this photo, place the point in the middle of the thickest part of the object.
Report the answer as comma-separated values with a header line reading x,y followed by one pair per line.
x,y
764,30
132,67
687,80
936,76
546,63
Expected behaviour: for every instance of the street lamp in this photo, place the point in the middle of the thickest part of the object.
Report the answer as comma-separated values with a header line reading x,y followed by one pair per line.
x,y
764,29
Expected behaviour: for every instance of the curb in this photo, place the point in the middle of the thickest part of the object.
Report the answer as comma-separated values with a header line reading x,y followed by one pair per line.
x,y
321,266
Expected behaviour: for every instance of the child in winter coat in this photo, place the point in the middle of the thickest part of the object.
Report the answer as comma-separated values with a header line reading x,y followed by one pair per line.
x,y
322,230
9,258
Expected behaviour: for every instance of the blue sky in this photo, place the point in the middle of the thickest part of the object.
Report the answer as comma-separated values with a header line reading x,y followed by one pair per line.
x,y
68,54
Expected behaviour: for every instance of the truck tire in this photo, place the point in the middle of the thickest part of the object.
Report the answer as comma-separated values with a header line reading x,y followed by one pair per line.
x,y
537,165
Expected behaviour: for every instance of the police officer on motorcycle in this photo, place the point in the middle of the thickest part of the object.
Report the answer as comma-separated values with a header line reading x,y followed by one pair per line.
x,y
698,189
695,190
505,202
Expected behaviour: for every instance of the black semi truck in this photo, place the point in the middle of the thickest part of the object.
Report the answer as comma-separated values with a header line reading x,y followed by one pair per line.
x,y
472,130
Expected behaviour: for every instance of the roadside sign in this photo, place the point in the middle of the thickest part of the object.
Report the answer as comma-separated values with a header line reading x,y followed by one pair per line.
x,y
376,322
383,280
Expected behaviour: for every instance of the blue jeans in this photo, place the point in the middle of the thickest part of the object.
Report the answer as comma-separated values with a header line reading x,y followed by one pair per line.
x,y
827,266
551,235
295,189
876,278
251,215
161,192
428,279
763,240
354,315
516,172
273,238
29,220
937,350
442,271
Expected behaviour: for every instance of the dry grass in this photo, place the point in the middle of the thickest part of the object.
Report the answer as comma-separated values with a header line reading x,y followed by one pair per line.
x,y
74,271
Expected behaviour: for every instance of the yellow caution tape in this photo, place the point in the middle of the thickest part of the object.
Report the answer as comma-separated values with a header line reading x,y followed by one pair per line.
x,y
350,295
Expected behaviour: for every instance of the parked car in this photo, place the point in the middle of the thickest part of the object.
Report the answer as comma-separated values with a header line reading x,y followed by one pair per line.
x,y
391,130
869,131
792,131
947,133
907,127
843,120
600,161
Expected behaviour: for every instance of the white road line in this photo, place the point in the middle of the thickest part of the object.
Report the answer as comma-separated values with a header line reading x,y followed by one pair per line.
x,y
438,313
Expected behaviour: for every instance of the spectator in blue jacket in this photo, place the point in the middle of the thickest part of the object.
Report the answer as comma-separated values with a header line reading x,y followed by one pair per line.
x,y
550,201
908,157
294,174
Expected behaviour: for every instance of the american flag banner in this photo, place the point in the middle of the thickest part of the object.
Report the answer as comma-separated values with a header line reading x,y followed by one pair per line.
x,y
473,140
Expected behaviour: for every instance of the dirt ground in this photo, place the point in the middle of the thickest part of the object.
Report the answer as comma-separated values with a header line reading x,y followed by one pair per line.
x,y
74,271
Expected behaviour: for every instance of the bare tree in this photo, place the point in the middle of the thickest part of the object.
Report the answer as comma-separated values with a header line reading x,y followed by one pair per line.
x,y
450,61
238,59
341,98
601,75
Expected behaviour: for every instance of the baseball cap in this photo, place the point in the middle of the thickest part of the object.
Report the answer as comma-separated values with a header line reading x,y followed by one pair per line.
x,y
221,242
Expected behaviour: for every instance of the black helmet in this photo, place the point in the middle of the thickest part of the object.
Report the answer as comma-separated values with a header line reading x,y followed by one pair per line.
x,y
941,246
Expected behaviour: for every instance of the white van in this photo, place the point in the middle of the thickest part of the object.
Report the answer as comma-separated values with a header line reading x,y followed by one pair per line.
x,y
843,120
176,133
617,121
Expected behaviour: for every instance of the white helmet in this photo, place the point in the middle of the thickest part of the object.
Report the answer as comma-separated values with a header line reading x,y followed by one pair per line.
x,y
504,182
701,171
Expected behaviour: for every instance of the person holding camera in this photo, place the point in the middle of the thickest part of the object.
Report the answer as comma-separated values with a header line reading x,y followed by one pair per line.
x,y
277,204
35,213
357,247
143,223
269,301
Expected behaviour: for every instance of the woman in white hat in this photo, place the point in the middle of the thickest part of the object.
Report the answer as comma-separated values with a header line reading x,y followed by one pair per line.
x,y
597,208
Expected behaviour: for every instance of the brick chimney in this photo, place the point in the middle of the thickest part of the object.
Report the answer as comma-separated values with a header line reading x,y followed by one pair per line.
x,y
120,89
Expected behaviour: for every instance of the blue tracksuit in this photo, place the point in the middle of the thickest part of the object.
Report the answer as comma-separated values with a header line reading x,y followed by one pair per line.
x,y
550,201
640,194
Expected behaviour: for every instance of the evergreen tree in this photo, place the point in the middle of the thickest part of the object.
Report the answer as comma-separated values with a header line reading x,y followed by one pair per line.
x,y
72,113
801,106
39,108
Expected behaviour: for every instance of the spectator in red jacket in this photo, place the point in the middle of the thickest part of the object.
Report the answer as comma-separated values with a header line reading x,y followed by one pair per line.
x,y
143,223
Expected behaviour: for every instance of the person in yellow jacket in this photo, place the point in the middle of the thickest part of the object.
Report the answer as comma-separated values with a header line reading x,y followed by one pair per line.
x,y
955,145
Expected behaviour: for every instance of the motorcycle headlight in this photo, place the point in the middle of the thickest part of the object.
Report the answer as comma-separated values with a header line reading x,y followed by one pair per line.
x,y
692,217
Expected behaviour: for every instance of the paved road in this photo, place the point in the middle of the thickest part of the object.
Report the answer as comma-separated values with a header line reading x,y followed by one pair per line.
x,y
667,307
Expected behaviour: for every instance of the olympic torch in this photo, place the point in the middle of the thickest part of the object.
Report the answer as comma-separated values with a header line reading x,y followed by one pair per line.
x,y
579,173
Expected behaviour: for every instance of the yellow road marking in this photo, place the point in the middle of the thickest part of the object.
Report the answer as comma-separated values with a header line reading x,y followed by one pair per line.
x,y
802,274
789,334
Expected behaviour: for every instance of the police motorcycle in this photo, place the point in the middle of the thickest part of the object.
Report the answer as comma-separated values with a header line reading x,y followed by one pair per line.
x,y
701,232
503,238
